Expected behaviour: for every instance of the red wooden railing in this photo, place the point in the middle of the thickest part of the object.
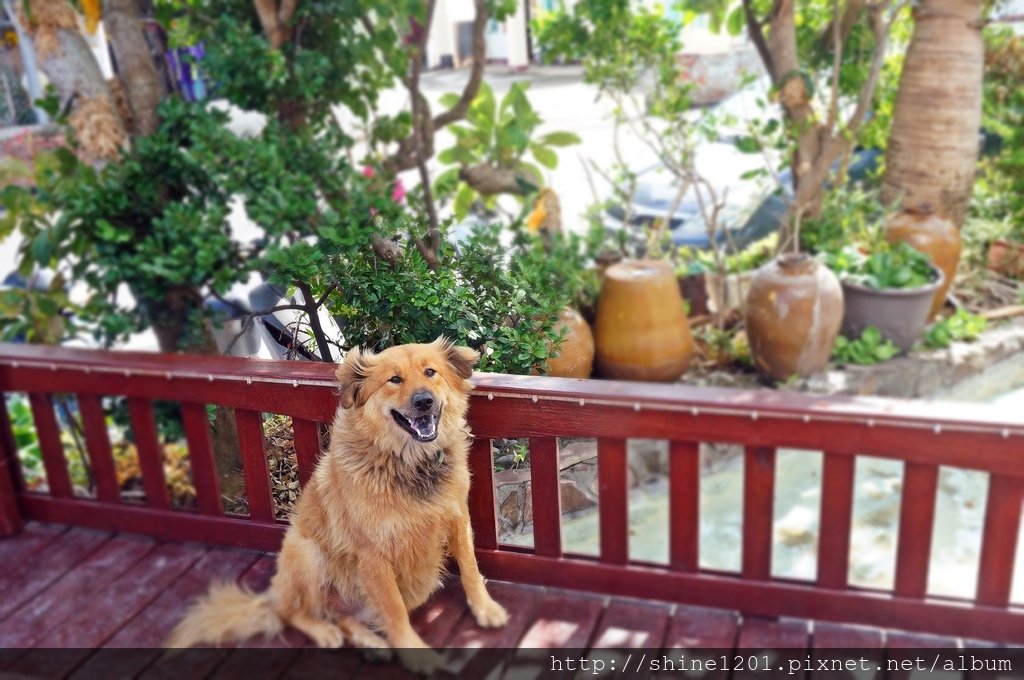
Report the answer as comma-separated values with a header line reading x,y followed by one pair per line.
x,y
923,435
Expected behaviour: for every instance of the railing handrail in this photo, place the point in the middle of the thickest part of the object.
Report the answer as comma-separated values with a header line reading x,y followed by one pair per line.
x,y
752,403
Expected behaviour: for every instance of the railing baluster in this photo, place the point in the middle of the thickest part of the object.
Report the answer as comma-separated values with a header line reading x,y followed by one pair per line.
x,y
97,443
10,470
836,520
917,515
254,464
48,431
546,491
150,452
684,505
200,456
758,511
999,540
613,500
307,447
481,495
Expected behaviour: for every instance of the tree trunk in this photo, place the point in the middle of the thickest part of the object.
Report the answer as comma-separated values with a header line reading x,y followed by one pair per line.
x,y
135,65
67,61
933,146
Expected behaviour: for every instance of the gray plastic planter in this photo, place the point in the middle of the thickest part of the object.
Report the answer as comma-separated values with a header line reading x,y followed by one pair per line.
x,y
899,314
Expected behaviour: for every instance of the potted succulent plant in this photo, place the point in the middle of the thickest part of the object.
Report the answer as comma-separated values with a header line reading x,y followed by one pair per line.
x,y
890,286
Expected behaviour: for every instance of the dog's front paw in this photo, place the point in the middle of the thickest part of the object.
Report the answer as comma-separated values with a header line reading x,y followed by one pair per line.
x,y
489,614
327,635
423,661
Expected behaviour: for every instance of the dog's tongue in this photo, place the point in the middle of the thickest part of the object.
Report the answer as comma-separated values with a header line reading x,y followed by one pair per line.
x,y
425,426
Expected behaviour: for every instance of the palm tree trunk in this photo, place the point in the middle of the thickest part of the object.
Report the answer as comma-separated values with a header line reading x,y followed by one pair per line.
x,y
933,145
135,64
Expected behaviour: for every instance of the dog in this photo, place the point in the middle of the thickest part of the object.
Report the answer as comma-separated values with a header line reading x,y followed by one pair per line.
x,y
385,506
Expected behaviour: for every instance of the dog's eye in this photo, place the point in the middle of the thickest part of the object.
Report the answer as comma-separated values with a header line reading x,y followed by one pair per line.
x,y
397,379
430,373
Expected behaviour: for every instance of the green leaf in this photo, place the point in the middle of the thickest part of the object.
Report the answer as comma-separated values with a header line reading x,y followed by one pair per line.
x,y
449,99
545,156
736,21
463,201
748,145
559,139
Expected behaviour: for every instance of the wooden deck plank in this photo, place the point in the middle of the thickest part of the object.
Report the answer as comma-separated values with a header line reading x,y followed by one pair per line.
x,y
154,624
701,627
34,537
632,623
774,644
113,606
698,635
903,648
839,644
759,633
563,620
629,624
29,577
476,652
324,663
436,622
188,663
32,623
137,644
438,618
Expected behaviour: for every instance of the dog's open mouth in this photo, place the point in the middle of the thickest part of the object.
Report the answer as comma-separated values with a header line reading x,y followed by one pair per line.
x,y
422,428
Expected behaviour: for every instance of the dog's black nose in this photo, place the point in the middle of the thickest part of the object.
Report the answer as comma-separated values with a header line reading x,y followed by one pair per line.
x,y
423,400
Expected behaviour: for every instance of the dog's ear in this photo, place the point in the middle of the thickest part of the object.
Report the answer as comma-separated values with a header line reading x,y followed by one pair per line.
x,y
461,359
351,374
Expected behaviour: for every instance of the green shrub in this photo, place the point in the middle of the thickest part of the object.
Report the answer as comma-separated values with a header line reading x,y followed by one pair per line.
x,y
501,301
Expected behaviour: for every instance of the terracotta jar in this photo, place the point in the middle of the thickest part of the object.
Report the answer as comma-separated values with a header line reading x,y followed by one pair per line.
x,y
934,235
1006,258
576,355
793,313
641,330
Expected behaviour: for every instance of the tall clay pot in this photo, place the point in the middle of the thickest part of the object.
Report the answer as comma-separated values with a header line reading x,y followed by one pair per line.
x,y
576,355
924,230
641,331
793,313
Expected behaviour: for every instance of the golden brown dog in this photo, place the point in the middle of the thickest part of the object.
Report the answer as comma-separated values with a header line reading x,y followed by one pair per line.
x,y
386,503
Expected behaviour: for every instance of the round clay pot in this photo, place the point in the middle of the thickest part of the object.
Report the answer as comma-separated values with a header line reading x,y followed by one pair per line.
x,y
575,357
792,315
641,330
924,230
899,314
1006,258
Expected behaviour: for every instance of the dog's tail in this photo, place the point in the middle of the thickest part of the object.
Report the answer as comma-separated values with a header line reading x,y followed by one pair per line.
x,y
226,613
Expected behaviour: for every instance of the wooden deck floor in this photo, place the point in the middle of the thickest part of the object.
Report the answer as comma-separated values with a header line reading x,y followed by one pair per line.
x,y
108,601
